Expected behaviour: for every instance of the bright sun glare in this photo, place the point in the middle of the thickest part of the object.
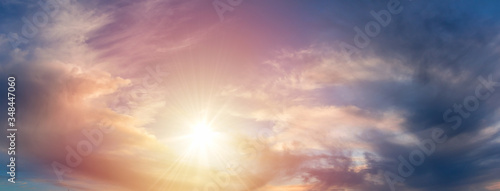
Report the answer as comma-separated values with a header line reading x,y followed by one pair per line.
x,y
202,134
202,143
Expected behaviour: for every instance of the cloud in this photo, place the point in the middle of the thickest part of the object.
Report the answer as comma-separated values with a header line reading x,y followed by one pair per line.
x,y
65,92
337,122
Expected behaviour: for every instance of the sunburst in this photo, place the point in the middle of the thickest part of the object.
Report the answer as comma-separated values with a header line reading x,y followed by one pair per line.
x,y
202,135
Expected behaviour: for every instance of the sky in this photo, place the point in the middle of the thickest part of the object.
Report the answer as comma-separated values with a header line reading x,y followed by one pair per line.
x,y
196,95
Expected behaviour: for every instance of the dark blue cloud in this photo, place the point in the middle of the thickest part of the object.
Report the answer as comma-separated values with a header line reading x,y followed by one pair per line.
x,y
448,45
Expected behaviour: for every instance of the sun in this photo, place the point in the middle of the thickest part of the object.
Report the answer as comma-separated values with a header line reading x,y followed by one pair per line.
x,y
203,141
202,134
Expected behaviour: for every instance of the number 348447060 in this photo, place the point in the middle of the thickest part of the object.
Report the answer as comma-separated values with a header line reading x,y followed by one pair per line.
x,y
11,97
